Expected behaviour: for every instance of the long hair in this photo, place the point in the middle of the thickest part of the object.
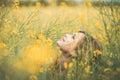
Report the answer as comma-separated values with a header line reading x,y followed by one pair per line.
x,y
88,48
83,50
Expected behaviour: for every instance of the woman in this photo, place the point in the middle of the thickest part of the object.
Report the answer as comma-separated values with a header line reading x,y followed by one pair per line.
x,y
78,45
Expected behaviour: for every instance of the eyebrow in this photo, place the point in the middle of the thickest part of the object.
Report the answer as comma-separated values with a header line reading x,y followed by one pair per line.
x,y
82,32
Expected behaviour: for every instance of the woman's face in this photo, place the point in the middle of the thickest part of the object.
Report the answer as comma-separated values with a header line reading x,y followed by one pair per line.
x,y
69,42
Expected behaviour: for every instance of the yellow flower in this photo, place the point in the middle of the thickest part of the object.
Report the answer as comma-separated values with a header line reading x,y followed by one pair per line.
x,y
98,25
109,27
70,65
81,64
88,3
109,63
33,77
107,69
60,52
16,4
49,41
6,20
73,60
7,77
87,69
31,33
38,4
15,32
118,69
38,42
100,37
41,70
65,65
63,5
97,52
49,69
41,37
80,20
68,75
91,72
118,27
2,45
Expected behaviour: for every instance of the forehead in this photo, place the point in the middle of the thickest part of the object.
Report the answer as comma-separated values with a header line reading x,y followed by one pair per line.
x,y
79,34
82,32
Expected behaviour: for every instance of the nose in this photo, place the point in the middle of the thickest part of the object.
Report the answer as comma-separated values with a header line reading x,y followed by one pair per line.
x,y
58,43
67,35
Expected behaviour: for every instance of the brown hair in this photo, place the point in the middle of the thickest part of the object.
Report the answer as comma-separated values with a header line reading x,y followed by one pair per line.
x,y
88,47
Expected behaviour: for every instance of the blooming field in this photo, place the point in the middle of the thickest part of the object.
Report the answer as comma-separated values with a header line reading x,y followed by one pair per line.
x,y
28,36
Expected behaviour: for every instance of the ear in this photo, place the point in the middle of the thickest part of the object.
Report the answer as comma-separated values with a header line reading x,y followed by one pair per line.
x,y
97,44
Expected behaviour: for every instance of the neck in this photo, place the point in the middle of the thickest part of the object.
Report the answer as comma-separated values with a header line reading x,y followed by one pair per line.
x,y
73,54
67,55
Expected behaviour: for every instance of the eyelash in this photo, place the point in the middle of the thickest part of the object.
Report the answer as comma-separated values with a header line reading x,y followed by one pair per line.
x,y
73,36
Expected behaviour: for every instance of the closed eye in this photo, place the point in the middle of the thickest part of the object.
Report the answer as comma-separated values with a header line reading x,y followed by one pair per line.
x,y
74,36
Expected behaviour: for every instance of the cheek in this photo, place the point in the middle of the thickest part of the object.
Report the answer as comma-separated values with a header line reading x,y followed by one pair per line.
x,y
69,48
73,46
